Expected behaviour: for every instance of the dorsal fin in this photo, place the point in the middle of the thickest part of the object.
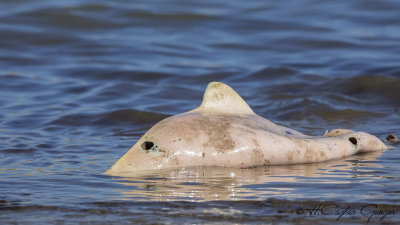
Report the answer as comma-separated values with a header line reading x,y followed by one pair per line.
x,y
222,98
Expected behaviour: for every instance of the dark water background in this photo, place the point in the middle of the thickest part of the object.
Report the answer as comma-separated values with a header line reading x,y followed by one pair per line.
x,y
81,81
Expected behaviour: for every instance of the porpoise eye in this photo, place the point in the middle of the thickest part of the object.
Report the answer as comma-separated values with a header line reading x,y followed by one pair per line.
x,y
353,140
147,145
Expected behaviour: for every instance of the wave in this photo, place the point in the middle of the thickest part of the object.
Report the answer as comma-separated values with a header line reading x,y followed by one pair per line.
x,y
372,86
118,117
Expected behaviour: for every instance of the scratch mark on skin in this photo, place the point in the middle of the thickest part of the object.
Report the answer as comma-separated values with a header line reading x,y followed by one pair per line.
x,y
290,155
308,155
217,130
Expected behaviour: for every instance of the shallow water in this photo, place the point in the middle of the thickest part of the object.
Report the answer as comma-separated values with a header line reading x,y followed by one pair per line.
x,y
81,81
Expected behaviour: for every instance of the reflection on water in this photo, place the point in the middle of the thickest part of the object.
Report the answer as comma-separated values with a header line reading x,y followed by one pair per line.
x,y
259,183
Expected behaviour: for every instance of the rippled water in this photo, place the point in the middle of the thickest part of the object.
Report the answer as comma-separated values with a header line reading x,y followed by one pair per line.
x,y
81,81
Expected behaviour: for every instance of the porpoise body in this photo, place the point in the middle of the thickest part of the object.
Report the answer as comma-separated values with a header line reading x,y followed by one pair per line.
x,y
224,131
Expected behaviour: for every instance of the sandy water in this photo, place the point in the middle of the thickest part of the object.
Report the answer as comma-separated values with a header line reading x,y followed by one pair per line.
x,y
81,81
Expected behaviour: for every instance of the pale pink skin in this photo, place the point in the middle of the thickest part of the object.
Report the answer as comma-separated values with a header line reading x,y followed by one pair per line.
x,y
224,131
210,138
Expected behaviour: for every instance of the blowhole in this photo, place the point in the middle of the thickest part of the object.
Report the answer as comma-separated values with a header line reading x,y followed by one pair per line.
x,y
391,138
353,140
147,145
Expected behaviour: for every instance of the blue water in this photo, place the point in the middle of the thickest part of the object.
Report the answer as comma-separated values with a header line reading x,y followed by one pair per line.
x,y
81,81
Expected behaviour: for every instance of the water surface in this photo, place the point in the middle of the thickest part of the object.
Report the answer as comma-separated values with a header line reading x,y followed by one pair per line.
x,y
81,81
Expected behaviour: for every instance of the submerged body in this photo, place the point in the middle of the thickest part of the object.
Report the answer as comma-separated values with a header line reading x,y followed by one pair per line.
x,y
224,131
